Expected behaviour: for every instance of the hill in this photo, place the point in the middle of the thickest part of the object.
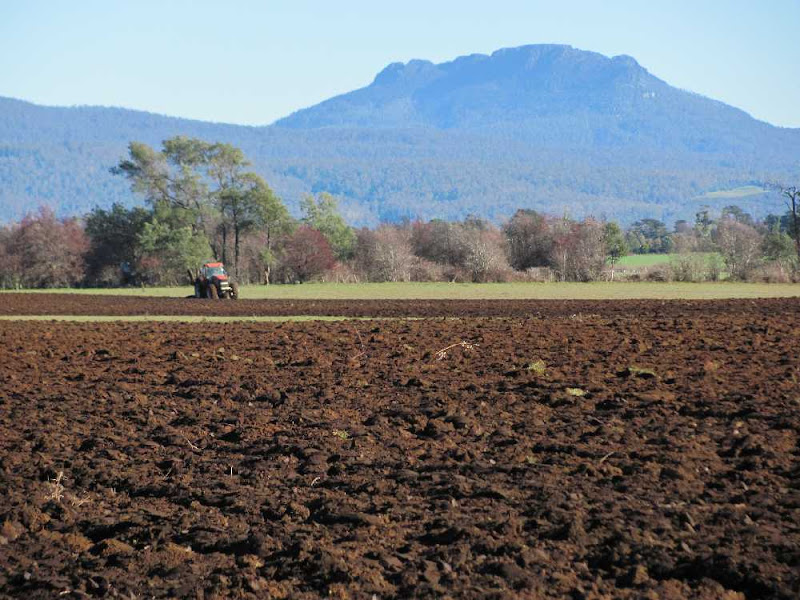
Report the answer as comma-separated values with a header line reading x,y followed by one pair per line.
x,y
546,127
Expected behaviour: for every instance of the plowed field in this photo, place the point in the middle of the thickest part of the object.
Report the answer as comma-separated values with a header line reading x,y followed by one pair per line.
x,y
594,450
20,304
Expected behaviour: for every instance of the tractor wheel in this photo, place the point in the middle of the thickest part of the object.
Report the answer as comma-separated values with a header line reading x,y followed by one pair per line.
x,y
198,290
234,293
213,294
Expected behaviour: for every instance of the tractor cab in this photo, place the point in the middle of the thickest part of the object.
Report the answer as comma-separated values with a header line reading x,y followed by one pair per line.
x,y
214,269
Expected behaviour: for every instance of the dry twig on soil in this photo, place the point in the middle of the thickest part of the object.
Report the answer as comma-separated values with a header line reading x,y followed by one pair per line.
x,y
606,457
442,354
56,487
361,342
191,445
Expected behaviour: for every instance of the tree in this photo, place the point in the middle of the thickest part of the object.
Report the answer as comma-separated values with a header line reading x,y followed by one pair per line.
x,y
172,176
682,227
173,179
530,240
778,247
384,254
485,258
649,236
245,207
579,250
439,241
792,195
209,184
306,254
167,247
614,241
113,241
271,219
737,214
236,196
322,213
10,261
740,246
47,251
704,228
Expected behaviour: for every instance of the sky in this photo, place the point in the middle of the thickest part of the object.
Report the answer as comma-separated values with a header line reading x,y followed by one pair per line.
x,y
252,62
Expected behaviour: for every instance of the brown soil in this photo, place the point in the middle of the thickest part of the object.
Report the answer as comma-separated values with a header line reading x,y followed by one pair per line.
x,y
80,304
641,458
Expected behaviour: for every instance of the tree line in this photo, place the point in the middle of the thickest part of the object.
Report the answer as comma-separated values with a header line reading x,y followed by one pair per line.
x,y
202,202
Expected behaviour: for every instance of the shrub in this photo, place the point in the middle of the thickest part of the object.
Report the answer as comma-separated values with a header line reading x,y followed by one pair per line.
x,y
688,267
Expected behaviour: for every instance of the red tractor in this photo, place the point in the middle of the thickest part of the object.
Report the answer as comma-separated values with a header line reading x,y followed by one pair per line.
x,y
212,281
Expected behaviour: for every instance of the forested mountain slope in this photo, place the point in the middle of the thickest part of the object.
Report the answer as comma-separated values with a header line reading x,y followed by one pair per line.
x,y
545,127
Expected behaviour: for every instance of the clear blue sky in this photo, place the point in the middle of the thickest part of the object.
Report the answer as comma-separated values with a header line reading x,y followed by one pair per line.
x,y
252,62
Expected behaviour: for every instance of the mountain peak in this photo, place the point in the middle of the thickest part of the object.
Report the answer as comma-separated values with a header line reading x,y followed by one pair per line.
x,y
626,60
536,50
397,72
507,88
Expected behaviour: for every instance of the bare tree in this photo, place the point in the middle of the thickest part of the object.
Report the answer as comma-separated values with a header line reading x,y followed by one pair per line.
x,y
384,254
740,246
579,250
486,256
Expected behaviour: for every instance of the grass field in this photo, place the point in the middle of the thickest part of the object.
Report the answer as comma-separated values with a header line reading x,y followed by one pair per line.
x,y
481,291
740,192
651,260
643,260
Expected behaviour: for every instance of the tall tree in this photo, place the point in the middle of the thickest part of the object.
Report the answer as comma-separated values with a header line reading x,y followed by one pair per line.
x,y
225,166
322,213
270,217
209,184
615,245
172,175
173,178
704,228
251,205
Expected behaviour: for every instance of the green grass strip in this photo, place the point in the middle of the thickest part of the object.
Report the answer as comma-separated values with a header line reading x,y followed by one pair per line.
x,y
481,291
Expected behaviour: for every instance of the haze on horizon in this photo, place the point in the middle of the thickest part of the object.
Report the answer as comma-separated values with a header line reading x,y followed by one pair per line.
x,y
255,62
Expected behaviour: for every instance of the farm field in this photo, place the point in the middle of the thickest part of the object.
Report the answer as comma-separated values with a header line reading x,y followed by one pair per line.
x,y
469,291
88,307
633,449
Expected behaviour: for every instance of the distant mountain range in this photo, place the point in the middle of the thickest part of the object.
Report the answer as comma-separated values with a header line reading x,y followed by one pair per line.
x,y
546,127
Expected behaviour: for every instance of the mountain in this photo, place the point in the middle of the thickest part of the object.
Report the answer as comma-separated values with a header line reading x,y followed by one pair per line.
x,y
548,95
546,127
